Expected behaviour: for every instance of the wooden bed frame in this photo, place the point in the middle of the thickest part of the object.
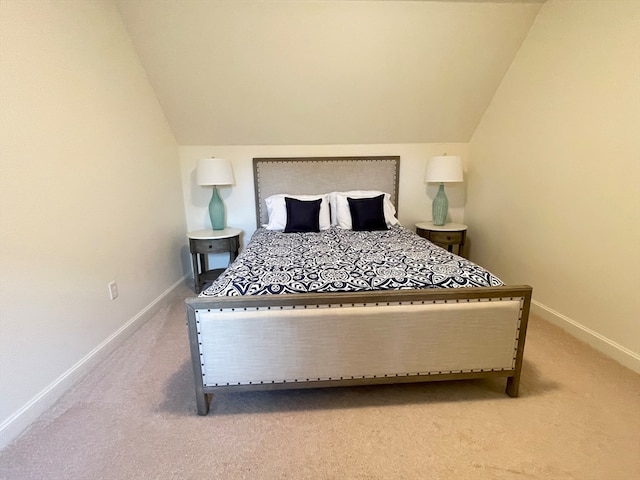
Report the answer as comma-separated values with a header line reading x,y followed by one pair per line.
x,y
339,339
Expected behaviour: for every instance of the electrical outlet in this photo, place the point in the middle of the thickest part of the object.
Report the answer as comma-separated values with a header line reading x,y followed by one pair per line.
x,y
113,290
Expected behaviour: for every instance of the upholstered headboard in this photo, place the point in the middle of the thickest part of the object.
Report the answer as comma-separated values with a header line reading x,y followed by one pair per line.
x,y
311,175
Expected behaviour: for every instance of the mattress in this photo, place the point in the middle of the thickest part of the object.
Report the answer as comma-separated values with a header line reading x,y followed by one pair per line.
x,y
338,260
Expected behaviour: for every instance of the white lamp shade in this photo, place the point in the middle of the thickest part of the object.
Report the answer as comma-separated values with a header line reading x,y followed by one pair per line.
x,y
214,171
444,168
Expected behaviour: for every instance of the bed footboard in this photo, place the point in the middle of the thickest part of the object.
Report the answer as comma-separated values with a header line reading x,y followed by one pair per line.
x,y
338,339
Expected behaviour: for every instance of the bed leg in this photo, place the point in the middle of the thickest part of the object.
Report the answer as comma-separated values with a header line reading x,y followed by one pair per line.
x,y
202,403
513,385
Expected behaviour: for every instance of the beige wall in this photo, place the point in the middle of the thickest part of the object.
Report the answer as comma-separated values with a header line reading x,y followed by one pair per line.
x,y
414,204
90,193
554,178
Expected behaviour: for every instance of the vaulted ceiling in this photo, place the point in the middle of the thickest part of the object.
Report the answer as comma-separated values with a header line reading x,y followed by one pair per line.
x,y
249,72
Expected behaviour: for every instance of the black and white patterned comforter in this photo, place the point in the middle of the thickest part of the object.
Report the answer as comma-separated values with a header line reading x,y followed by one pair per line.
x,y
338,260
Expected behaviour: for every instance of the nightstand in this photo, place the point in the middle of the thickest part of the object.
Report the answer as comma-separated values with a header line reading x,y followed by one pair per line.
x,y
204,242
445,236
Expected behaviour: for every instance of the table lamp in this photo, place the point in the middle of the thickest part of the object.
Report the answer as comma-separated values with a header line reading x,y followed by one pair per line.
x,y
215,171
441,169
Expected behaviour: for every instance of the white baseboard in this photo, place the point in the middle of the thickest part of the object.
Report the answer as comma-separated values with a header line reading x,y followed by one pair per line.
x,y
601,343
17,423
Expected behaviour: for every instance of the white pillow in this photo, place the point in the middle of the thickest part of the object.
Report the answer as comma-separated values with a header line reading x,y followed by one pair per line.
x,y
341,214
277,210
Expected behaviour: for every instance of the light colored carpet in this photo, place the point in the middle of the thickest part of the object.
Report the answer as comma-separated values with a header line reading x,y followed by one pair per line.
x,y
578,417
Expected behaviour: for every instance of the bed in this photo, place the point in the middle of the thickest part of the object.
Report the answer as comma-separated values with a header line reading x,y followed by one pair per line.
x,y
252,330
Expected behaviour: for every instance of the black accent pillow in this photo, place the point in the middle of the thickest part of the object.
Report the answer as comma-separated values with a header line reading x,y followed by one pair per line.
x,y
302,215
367,213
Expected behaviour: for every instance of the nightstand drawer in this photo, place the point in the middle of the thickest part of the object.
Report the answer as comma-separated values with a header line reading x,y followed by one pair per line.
x,y
453,238
213,246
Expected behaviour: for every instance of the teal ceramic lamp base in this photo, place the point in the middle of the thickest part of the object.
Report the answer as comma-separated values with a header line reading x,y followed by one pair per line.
x,y
440,206
216,211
